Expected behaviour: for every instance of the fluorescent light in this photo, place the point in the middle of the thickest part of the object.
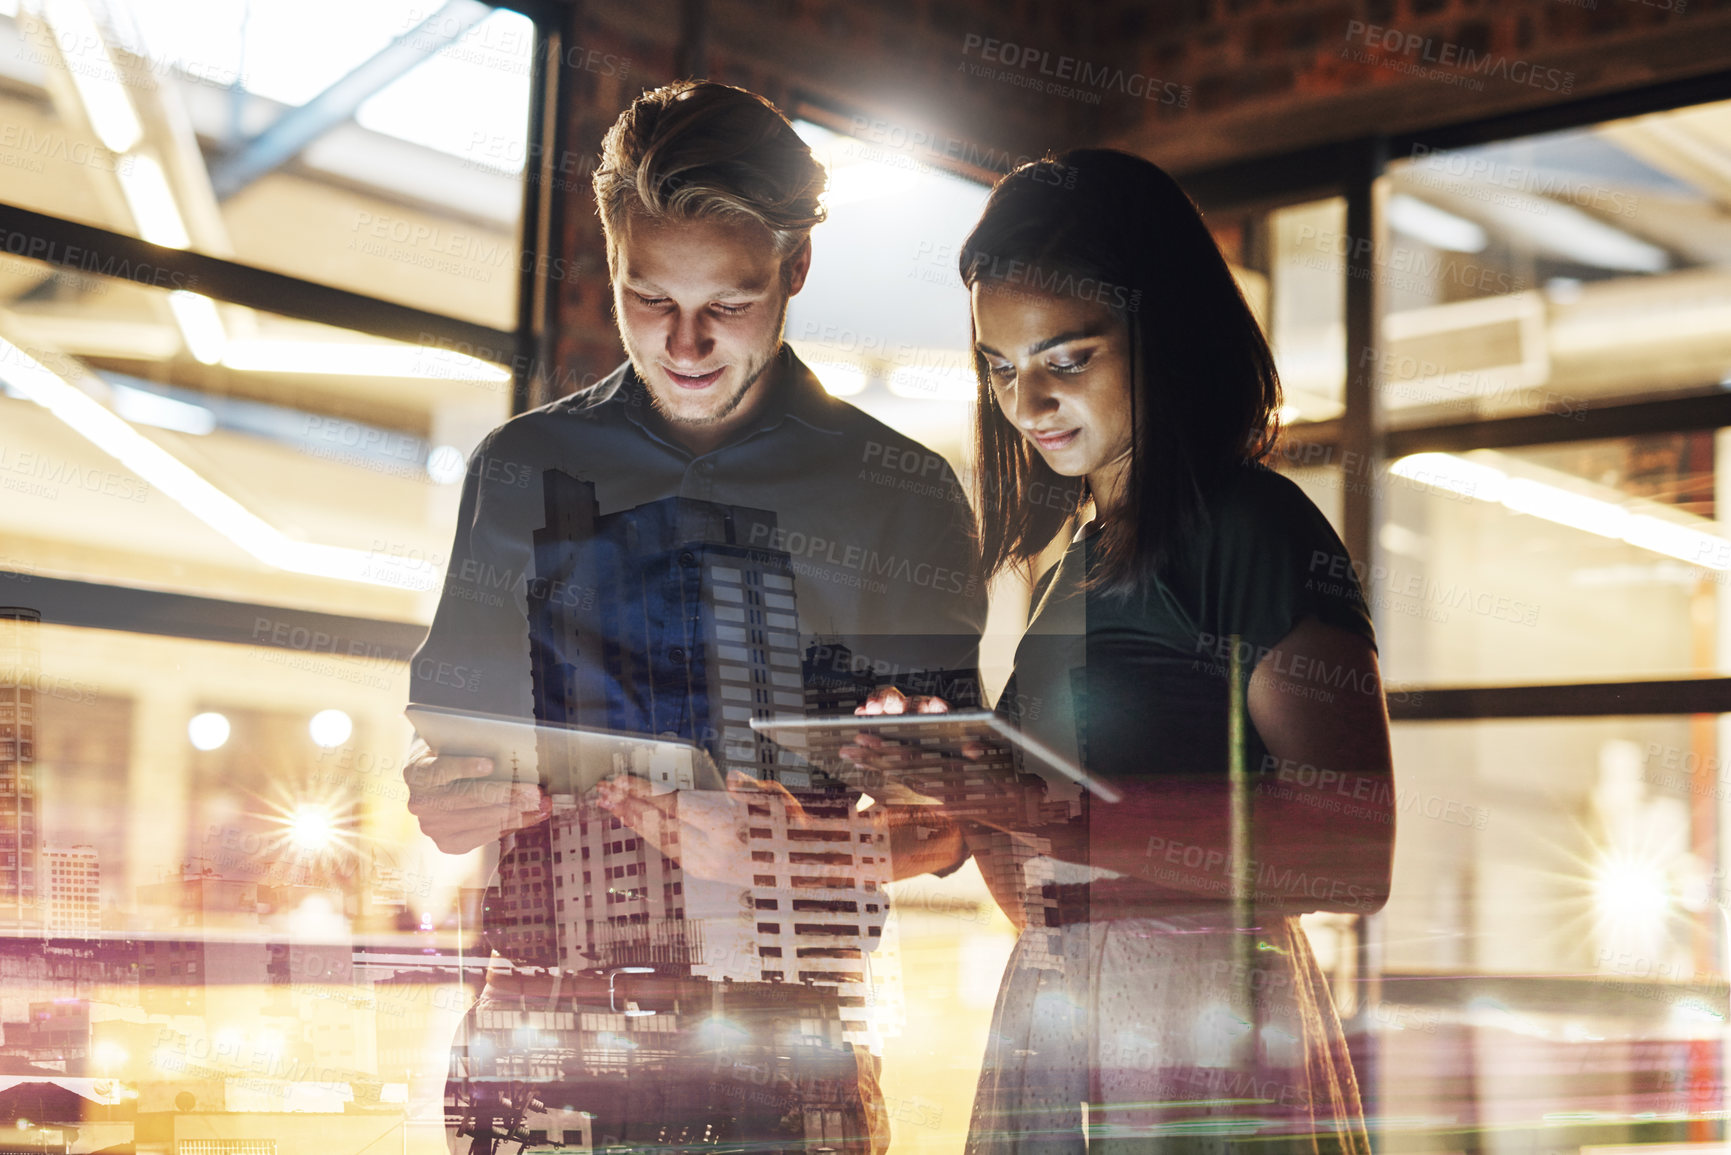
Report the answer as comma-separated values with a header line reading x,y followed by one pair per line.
x,y
839,378
1575,510
176,480
145,408
353,359
94,75
1580,511
1455,474
152,202
200,324
1443,230
1560,229
1678,541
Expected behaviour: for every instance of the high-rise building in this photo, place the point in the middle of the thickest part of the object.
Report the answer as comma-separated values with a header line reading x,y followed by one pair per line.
x,y
811,910
72,883
20,674
662,620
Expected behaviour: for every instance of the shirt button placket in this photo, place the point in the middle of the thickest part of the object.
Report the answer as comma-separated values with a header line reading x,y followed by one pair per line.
x,y
700,479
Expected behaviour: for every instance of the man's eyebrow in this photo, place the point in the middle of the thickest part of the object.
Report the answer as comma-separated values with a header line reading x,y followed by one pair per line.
x,y
651,289
1042,346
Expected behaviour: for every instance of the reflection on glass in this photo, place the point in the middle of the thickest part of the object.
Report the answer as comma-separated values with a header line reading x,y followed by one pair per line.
x,y
883,318
1554,941
242,936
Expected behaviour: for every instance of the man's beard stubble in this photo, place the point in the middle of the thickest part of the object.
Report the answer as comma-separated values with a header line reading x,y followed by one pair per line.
x,y
731,404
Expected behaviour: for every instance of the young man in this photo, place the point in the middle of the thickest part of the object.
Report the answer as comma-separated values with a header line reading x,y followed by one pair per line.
x,y
703,538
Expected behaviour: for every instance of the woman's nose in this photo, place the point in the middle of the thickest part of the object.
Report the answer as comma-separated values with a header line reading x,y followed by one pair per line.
x,y
1034,401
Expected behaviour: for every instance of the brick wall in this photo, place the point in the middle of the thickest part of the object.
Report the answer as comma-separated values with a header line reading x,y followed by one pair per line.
x,y
1272,75
1188,83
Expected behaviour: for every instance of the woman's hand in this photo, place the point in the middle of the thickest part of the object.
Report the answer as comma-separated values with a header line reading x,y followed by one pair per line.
x,y
889,700
871,752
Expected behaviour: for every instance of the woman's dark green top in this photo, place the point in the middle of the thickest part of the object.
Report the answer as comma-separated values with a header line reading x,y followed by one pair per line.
x,y
1138,686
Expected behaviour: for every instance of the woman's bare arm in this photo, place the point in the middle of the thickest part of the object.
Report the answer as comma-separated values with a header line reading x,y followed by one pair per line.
x,y
1323,806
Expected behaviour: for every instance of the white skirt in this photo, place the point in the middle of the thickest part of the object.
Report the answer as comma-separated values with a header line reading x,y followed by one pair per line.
x,y
1147,1035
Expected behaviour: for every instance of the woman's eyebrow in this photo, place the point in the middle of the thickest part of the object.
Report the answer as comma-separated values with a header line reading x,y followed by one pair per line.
x,y
1042,346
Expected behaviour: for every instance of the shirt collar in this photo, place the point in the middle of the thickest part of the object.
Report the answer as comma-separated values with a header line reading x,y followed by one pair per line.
x,y
798,394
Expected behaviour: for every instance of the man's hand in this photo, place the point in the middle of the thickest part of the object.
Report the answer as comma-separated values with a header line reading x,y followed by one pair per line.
x,y
704,829
458,809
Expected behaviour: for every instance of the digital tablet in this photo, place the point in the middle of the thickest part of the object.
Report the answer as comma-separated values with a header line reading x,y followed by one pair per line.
x,y
967,761
563,759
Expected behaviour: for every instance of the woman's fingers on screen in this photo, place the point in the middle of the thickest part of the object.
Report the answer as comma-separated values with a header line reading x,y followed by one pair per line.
x,y
884,700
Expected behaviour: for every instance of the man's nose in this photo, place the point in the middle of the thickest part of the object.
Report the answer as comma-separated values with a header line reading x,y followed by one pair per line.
x,y
687,341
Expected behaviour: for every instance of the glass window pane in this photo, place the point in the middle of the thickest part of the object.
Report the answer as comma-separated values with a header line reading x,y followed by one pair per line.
x,y
883,318
1551,273
387,160
1553,946
1290,263
1587,561
302,466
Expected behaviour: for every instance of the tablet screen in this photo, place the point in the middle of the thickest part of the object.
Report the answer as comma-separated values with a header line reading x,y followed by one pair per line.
x,y
973,763
563,759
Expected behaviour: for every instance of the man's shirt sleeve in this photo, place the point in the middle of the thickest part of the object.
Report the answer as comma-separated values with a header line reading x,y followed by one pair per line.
x,y
476,653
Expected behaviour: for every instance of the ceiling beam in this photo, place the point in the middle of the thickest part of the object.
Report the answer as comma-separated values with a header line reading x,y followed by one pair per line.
x,y
297,128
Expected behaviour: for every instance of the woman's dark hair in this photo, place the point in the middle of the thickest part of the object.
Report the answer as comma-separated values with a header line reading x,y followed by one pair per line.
x,y
1204,392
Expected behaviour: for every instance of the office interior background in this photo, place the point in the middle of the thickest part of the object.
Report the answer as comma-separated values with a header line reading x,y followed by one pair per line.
x,y
269,271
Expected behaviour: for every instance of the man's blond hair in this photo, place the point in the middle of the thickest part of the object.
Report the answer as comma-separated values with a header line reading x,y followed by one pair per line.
x,y
695,150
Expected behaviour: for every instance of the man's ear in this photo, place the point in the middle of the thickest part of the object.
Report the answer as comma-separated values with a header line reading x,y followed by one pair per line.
x,y
797,265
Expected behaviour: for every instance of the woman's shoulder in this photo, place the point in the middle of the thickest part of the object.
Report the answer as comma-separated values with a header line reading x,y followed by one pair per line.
x,y
1251,484
1252,499
1269,558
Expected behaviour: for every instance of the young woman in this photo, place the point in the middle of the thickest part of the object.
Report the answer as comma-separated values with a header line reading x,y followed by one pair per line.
x,y
1126,399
